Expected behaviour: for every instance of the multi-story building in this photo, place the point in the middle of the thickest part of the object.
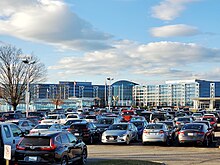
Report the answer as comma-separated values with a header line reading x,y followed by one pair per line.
x,y
191,93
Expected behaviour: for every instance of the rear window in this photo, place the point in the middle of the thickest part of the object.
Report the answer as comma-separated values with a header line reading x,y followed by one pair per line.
x,y
35,141
192,126
154,126
78,126
208,119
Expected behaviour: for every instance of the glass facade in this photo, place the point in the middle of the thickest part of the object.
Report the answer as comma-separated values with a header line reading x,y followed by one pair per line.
x,y
175,93
122,93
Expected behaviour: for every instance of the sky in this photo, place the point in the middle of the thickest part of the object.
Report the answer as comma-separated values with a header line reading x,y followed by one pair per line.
x,y
144,41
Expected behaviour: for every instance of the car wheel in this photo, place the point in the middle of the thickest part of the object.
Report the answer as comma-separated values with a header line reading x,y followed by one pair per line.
x,y
127,140
83,158
64,161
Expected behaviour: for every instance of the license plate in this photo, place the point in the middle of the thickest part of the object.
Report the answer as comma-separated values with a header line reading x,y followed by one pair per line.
x,y
76,134
190,134
111,138
32,158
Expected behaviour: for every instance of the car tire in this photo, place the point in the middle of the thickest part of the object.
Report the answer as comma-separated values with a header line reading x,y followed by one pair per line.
x,y
83,158
64,161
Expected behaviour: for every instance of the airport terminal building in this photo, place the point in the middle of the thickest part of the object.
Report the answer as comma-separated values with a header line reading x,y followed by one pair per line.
x,y
191,93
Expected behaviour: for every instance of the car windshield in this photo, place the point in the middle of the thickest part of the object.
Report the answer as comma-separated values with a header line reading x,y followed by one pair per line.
x,y
154,126
43,127
118,127
192,126
51,117
35,141
105,121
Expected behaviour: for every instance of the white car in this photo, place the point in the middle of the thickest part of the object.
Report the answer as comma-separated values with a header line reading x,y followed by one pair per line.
x,y
72,116
55,118
47,127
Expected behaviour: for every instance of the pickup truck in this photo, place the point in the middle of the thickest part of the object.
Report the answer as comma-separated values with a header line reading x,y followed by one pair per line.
x,y
10,134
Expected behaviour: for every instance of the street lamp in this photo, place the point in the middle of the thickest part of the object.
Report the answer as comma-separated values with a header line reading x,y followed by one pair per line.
x,y
109,93
28,62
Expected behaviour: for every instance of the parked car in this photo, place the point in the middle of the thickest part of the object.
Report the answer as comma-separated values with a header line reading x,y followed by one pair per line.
x,y
10,134
180,121
46,127
55,118
50,148
212,120
197,116
88,132
120,133
103,123
25,125
156,132
70,122
195,133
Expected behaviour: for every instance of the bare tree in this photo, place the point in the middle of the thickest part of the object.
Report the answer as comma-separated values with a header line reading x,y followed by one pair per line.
x,y
14,74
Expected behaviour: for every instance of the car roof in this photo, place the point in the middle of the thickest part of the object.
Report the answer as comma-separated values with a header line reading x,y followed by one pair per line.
x,y
46,133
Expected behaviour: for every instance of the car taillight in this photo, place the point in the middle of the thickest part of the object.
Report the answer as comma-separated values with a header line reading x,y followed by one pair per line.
x,y
177,122
20,147
49,148
180,132
145,131
68,129
161,132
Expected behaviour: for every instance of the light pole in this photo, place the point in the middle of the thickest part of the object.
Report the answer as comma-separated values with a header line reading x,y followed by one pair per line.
x,y
109,93
28,62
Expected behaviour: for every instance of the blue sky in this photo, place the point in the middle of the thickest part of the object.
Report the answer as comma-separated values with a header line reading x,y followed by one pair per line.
x,y
145,41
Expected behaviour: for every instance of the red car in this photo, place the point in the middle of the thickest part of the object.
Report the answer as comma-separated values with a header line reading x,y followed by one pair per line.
x,y
127,115
212,121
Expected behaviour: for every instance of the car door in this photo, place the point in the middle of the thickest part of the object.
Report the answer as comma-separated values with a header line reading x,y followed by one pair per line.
x,y
75,148
16,136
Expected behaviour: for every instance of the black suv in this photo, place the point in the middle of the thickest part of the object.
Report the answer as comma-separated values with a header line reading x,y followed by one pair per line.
x,y
86,131
50,148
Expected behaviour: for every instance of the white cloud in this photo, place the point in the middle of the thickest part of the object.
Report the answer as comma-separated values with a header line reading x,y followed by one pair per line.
x,y
164,59
170,9
51,22
174,31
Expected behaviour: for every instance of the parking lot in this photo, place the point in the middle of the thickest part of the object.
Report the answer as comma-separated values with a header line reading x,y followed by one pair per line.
x,y
185,155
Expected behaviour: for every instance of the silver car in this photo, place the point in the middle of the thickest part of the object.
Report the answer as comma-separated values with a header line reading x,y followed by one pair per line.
x,y
120,133
155,132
